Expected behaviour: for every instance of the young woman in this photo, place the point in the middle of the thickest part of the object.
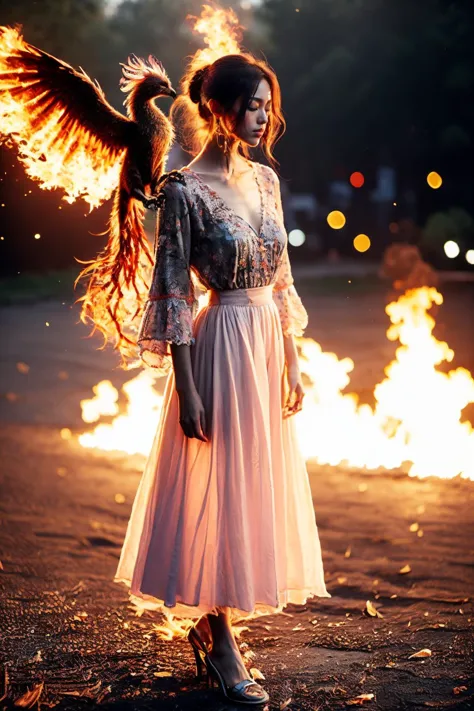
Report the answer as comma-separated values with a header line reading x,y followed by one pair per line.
x,y
223,523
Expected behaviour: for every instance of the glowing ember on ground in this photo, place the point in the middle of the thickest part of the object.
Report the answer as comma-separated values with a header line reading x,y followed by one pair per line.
x,y
415,424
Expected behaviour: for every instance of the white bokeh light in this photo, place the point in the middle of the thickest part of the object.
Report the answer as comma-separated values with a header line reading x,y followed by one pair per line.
x,y
296,238
470,256
451,249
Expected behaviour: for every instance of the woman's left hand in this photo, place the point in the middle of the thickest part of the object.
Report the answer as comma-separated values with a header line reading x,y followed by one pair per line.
x,y
294,402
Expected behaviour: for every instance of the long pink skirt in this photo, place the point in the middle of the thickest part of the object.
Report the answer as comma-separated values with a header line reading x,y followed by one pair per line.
x,y
229,522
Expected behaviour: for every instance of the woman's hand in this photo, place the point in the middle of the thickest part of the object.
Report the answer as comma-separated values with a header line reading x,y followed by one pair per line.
x,y
192,416
294,402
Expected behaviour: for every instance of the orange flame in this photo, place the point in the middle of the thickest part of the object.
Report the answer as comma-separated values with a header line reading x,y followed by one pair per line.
x,y
221,33
73,161
415,425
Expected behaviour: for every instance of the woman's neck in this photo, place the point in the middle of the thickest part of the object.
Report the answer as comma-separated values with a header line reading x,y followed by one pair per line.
x,y
213,160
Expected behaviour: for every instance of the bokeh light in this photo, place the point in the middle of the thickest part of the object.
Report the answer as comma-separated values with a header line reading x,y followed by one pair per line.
x,y
434,180
361,243
470,256
37,235
336,219
357,179
451,249
296,238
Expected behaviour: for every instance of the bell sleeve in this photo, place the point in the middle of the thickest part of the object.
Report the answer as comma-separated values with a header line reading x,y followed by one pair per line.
x,y
172,304
293,315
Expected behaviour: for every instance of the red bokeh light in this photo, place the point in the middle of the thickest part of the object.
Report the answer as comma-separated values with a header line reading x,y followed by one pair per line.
x,y
357,180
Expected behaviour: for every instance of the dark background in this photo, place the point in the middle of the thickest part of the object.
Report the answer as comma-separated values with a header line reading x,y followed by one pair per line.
x,y
365,84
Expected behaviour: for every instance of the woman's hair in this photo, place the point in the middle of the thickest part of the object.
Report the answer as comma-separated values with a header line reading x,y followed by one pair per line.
x,y
229,78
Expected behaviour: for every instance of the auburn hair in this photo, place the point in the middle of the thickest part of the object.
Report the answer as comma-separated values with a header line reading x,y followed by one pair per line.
x,y
229,78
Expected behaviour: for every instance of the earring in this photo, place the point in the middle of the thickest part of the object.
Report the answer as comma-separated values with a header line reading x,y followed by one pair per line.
x,y
221,137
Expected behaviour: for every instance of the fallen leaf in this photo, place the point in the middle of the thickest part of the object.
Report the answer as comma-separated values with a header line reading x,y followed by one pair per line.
x,y
285,704
421,509
422,654
30,698
414,527
298,628
360,700
372,610
459,689
347,554
420,533
249,655
314,622
406,569
363,487
37,657
256,673
1,565
89,692
119,499
163,673
341,580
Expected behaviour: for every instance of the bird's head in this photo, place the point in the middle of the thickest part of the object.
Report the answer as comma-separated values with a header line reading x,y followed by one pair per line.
x,y
148,75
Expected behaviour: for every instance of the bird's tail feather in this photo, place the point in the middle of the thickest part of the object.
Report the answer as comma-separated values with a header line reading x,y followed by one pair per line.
x,y
117,287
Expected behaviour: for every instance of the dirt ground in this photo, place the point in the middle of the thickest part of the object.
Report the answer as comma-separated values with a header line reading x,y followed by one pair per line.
x,y
69,632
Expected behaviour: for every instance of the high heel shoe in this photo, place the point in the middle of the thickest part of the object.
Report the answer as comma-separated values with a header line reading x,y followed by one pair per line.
x,y
200,649
234,693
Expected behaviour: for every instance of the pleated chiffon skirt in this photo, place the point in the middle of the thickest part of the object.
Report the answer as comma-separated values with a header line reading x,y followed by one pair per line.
x,y
229,522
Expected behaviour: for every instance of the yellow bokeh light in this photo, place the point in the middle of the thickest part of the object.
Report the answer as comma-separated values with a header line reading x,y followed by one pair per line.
x,y
361,243
434,180
336,219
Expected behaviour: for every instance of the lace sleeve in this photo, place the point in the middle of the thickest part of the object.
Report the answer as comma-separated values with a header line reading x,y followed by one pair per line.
x,y
293,315
172,304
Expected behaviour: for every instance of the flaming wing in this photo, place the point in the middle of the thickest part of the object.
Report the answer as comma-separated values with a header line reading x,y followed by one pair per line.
x,y
68,136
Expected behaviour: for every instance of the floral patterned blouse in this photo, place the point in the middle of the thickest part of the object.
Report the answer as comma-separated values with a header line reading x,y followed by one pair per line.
x,y
203,244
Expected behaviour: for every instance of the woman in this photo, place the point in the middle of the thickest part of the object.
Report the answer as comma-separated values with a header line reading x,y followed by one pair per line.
x,y
223,523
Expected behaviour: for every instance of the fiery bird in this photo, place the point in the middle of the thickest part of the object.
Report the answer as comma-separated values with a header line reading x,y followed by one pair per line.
x,y
68,136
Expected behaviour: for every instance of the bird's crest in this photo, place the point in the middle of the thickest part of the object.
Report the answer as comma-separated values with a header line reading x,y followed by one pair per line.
x,y
138,69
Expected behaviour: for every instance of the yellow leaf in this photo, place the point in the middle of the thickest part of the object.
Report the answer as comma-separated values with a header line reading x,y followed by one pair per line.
x,y
422,654
163,673
360,700
285,704
256,673
372,610
347,554
341,580
119,498
414,527
459,689
406,569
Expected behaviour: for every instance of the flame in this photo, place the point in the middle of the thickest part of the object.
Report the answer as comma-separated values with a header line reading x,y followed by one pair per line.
x,y
415,424
221,33
74,161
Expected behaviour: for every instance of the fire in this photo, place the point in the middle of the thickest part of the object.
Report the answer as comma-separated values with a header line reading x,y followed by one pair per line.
x,y
415,424
221,33
54,152
131,432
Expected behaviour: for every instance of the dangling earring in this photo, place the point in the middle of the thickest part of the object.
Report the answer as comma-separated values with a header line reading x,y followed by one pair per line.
x,y
221,137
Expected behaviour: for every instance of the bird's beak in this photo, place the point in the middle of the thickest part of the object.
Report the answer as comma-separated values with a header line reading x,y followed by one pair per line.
x,y
171,92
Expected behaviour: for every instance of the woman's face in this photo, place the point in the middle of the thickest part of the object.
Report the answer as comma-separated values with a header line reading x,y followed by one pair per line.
x,y
254,123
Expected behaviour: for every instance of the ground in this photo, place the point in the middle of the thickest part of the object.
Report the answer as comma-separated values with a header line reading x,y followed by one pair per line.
x,y
64,622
